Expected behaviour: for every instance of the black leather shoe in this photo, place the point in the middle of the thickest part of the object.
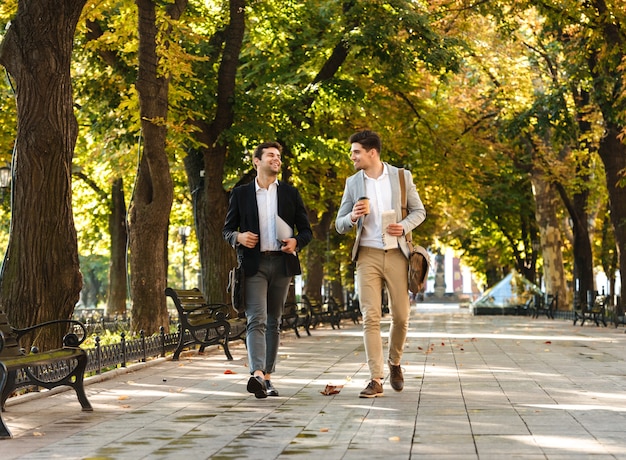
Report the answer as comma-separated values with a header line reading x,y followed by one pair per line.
x,y
256,385
271,391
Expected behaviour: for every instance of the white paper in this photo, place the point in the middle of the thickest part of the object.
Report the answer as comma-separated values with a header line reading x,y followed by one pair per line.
x,y
283,230
389,242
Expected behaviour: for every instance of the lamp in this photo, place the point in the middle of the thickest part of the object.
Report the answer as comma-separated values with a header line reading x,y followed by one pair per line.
x,y
5,177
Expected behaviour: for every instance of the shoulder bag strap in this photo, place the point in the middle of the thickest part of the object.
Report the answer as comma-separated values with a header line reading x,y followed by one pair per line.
x,y
402,192
403,200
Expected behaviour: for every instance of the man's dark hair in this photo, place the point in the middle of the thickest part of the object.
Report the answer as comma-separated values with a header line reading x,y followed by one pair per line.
x,y
258,151
368,139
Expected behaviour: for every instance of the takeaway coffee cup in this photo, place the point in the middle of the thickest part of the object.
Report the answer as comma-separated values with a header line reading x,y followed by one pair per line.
x,y
365,200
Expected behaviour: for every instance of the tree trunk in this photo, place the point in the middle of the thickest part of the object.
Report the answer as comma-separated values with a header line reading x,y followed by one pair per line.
x,y
209,198
314,267
40,278
152,202
218,257
116,302
546,200
613,154
319,258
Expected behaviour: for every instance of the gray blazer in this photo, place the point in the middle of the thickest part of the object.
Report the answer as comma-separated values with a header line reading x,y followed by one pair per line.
x,y
355,188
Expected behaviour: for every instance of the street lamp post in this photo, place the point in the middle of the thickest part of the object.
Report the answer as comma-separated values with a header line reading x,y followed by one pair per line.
x,y
184,232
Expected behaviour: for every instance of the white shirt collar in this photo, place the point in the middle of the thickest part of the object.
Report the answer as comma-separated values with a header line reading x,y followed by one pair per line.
x,y
385,173
257,187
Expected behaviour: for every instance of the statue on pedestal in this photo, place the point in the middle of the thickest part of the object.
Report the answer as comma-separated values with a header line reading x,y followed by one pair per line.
x,y
440,281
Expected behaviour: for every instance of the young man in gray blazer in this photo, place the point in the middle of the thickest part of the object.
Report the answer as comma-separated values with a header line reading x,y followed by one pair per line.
x,y
255,214
381,254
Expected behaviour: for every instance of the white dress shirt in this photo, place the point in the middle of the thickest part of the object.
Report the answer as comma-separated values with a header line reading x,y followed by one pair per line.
x,y
267,204
379,192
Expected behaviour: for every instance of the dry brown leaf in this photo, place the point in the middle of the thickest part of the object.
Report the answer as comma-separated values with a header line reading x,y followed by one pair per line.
x,y
331,390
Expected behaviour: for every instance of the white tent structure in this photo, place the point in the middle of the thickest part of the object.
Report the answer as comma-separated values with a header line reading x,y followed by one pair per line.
x,y
507,297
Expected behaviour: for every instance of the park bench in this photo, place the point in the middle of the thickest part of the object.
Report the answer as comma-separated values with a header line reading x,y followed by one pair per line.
x,y
204,324
295,317
593,310
350,311
544,305
321,314
47,369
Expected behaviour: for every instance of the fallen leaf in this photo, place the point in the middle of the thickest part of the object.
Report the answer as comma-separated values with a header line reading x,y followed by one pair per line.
x,y
331,390
122,398
228,371
38,433
324,430
394,438
548,342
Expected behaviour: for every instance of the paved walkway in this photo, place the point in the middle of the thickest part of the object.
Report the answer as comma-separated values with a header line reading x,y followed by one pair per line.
x,y
485,387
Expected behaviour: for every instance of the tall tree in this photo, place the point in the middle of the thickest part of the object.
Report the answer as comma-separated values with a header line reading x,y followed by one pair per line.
x,y
206,165
597,28
40,277
152,202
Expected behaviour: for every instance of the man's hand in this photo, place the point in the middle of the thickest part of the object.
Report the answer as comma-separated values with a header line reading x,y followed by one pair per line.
x,y
248,239
289,245
359,209
395,229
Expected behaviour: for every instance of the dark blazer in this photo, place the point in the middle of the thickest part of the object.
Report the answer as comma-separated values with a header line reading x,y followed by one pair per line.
x,y
243,216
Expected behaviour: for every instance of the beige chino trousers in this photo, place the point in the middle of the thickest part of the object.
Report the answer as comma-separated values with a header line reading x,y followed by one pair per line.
x,y
376,268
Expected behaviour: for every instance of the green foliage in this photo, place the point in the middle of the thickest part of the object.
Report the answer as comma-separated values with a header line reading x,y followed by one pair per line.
x,y
95,269
468,99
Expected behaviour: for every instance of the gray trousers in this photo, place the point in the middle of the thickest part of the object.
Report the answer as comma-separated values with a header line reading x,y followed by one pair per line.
x,y
266,293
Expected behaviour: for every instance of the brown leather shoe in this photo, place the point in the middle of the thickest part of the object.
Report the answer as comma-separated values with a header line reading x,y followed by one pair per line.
x,y
372,390
395,377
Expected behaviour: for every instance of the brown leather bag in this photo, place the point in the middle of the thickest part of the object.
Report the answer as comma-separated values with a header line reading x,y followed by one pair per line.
x,y
419,260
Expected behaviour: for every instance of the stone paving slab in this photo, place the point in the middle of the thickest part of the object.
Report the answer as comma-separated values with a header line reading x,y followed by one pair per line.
x,y
476,387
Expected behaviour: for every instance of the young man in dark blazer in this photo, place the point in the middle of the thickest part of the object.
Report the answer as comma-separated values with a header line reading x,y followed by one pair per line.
x,y
258,213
